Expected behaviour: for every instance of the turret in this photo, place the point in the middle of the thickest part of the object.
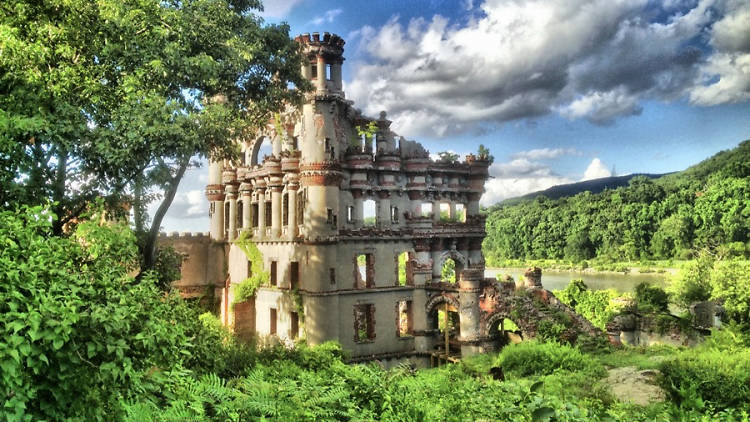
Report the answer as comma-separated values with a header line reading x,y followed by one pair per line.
x,y
325,57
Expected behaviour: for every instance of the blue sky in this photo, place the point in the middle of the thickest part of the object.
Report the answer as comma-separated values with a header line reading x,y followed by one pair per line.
x,y
559,90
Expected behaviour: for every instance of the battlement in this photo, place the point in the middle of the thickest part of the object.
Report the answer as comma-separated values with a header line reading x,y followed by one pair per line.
x,y
330,40
173,235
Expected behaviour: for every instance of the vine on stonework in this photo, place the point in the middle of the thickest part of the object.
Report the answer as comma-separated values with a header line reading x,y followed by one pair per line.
x,y
258,277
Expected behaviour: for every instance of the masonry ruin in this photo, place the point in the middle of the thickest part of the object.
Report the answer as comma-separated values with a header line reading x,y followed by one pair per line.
x,y
354,225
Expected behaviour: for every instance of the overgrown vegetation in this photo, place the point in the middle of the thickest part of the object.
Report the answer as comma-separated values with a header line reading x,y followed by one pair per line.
x,y
673,217
246,289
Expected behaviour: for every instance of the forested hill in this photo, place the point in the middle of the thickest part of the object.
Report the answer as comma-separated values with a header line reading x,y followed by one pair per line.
x,y
570,189
707,205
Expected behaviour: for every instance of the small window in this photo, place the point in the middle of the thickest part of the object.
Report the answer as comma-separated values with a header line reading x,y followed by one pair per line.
x,y
328,72
327,144
403,269
350,214
285,208
268,214
369,212
294,274
272,321
394,214
294,329
364,323
403,309
273,273
295,143
313,71
332,275
240,205
255,214
329,216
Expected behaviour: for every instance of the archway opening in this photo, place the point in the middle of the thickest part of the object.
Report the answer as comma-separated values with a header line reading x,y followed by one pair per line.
x,y
505,331
448,271
404,269
445,320
263,147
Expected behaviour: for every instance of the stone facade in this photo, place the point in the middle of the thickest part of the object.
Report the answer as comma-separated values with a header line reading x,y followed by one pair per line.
x,y
336,275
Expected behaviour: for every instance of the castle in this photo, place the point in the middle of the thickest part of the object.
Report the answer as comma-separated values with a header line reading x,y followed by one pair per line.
x,y
376,285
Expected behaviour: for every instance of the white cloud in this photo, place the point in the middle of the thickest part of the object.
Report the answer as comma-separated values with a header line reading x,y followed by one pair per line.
x,y
546,153
327,17
725,76
497,190
584,59
278,8
596,170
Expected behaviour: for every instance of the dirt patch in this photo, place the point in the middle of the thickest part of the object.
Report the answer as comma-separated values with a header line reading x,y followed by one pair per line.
x,y
629,384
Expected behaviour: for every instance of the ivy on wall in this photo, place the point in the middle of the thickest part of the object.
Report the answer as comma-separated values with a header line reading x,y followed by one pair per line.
x,y
258,277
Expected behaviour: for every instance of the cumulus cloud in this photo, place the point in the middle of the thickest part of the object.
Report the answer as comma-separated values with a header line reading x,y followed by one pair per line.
x,y
326,17
583,59
725,76
520,176
596,170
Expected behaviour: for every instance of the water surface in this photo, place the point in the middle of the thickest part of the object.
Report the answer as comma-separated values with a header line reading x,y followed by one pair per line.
x,y
557,280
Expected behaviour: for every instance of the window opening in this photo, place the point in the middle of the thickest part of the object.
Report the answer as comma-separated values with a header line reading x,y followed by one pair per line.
x,y
255,214
332,275
364,271
369,212
328,72
268,213
294,329
460,213
405,327
294,274
394,214
274,281
426,209
272,320
404,269
314,71
445,212
285,208
329,216
350,214
364,323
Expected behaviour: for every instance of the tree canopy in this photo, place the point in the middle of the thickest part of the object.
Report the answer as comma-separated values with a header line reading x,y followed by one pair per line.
x,y
114,99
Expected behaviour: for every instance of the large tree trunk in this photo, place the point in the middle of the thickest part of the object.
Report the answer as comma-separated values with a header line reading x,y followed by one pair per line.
x,y
149,247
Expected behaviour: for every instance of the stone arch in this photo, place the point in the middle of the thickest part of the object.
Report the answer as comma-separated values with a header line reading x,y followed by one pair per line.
x,y
431,304
254,149
456,256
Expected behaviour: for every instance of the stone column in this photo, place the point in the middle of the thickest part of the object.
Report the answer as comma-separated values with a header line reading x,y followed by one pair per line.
x,y
452,210
292,212
276,211
384,209
320,82
472,207
261,213
469,283
246,193
358,214
336,76
436,250
435,210
232,199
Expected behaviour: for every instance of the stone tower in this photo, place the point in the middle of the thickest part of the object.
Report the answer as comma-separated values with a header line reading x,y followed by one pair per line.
x,y
375,284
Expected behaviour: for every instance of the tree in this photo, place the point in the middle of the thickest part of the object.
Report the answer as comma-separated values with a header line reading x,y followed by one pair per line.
x,y
114,99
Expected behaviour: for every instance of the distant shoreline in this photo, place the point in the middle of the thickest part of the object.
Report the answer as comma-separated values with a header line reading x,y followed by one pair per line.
x,y
631,270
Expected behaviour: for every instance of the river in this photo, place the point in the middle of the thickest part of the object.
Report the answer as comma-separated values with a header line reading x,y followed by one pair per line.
x,y
557,280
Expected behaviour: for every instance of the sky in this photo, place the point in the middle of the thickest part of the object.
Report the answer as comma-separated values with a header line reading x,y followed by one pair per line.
x,y
559,90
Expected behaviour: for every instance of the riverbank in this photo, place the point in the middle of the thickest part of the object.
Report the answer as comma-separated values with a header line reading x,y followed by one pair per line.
x,y
666,267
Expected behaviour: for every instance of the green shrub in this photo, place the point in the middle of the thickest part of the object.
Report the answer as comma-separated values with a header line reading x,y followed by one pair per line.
x,y
651,298
719,378
535,358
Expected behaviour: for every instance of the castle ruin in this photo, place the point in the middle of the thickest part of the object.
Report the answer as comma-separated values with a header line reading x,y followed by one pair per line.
x,y
376,285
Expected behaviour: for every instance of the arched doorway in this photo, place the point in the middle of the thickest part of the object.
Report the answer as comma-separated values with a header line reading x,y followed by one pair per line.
x,y
503,330
444,319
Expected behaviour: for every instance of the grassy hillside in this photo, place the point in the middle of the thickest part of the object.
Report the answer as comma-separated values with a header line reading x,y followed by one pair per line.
x,y
673,216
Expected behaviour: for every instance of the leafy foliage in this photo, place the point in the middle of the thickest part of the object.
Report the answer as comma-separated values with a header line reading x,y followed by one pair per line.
x,y
597,306
671,217
536,358
258,277
651,298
